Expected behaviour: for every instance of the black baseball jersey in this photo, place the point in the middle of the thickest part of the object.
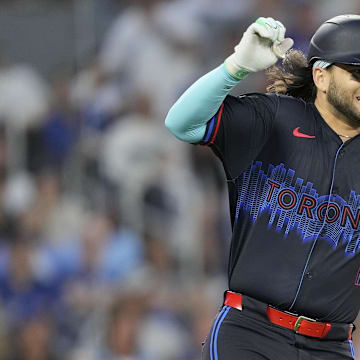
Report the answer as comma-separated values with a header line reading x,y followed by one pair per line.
x,y
294,191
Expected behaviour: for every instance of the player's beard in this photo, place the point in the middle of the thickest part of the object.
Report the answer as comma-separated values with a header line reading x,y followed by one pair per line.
x,y
343,103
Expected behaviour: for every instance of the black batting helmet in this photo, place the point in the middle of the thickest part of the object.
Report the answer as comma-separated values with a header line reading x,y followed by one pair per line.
x,y
337,41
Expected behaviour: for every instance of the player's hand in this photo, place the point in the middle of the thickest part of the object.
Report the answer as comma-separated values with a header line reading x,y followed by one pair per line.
x,y
262,44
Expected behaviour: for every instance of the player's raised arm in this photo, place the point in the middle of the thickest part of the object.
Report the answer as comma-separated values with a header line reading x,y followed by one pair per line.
x,y
262,44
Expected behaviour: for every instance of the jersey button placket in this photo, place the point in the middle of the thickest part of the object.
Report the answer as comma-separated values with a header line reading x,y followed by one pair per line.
x,y
309,275
323,232
335,191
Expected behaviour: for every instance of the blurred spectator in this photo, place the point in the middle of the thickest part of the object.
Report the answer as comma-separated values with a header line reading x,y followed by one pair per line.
x,y
96,268
98,97
24,293
157,190
24,96
125,321
29,298
135,157
33,340
149,56
60,130
52,214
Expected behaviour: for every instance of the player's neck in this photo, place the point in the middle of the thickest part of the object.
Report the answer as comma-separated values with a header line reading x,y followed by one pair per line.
x,y
337,121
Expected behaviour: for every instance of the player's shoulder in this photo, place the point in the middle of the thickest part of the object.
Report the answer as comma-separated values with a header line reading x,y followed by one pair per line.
x,y
254,99
297,108
273,97
285,104
278,99
287,100
271,102
257,96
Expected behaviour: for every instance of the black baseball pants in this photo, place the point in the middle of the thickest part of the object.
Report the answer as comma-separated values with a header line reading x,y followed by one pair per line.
x,y
249,335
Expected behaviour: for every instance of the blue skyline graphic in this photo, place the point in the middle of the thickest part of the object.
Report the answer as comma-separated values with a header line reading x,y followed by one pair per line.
x,y
253,191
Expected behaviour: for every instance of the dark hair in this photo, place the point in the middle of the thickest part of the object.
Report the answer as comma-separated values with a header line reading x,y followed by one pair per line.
x,y
293,78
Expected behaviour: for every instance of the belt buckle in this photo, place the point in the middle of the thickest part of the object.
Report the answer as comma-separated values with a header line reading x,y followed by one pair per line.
x,y
299,320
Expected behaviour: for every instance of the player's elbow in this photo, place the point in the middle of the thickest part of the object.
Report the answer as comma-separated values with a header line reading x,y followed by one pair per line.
x,y
181,123
174,124
169,121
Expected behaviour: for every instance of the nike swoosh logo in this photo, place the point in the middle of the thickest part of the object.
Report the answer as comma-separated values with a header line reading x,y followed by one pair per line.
x,y
297,133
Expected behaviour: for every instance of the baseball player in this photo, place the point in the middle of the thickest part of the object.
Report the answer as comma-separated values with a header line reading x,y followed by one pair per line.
x,y
292,163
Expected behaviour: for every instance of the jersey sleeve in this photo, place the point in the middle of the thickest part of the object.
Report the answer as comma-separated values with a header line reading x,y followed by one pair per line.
x,y
239,130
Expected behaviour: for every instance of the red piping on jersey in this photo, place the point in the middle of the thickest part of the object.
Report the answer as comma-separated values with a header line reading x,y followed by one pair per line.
x,y
217,124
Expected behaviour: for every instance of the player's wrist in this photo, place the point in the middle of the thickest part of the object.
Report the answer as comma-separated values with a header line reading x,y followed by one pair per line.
x,y
236,71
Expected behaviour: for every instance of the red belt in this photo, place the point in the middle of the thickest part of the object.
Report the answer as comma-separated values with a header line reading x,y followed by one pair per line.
x,y
300,324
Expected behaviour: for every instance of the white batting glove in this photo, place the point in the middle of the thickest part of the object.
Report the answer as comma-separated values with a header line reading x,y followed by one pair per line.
x,y
261,46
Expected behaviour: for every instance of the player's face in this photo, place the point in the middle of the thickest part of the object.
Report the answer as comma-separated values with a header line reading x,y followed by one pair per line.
x,y
344,92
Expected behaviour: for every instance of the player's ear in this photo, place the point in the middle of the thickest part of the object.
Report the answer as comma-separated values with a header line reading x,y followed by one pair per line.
x,y
321,79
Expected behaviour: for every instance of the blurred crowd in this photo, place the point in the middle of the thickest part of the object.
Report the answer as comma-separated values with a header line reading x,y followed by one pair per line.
x,y
114,235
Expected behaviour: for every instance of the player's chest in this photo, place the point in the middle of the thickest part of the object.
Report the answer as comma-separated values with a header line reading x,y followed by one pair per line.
x,y
326,165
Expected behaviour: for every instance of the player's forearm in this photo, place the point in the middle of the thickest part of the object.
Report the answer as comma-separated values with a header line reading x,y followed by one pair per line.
x,y
188,117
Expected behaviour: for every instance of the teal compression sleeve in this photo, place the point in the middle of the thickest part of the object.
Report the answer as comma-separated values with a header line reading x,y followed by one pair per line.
x,y
188,117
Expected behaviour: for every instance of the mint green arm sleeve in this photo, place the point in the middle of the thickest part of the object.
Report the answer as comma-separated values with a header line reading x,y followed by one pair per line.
x,y
188,117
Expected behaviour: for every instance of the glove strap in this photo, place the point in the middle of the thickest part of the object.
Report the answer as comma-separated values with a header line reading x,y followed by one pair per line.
x,y
239,74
